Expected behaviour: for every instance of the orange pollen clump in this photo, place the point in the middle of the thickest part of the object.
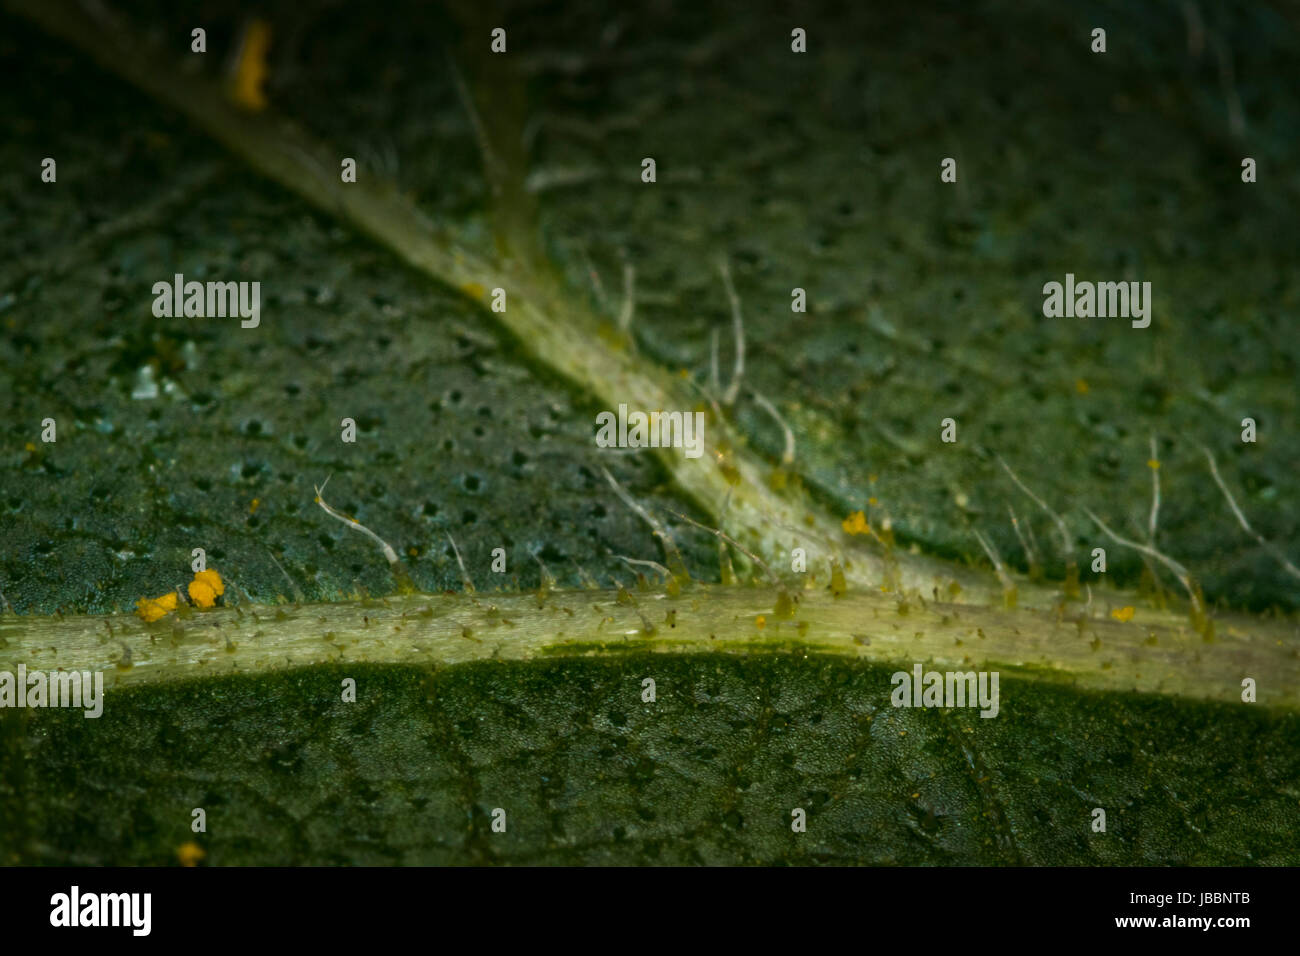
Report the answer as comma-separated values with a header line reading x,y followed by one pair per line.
x,y
151,609
856,523
206,587
213,580
251,68
189,854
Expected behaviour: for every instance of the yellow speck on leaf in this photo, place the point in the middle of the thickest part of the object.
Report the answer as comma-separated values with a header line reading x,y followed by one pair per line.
x,y
201,594
206,587
873,502
856,523
1122,613
253,505
151,609
29,447
250,69
760,621
1081,386
1153,463
213,580
473,289
190,853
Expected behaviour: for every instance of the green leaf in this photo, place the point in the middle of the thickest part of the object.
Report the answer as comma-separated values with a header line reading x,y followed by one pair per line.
x,y
587,773
819,172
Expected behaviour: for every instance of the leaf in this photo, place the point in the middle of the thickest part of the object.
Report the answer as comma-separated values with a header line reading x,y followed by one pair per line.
x,y
923,305
587,773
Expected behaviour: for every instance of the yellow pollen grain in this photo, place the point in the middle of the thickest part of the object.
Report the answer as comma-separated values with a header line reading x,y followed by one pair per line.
x,y
201,594
251,69
189,854
213,580
856,523
151,609
206,587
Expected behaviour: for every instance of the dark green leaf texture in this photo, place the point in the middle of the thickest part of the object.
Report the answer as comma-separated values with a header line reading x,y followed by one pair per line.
x,y
924,303
708,773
